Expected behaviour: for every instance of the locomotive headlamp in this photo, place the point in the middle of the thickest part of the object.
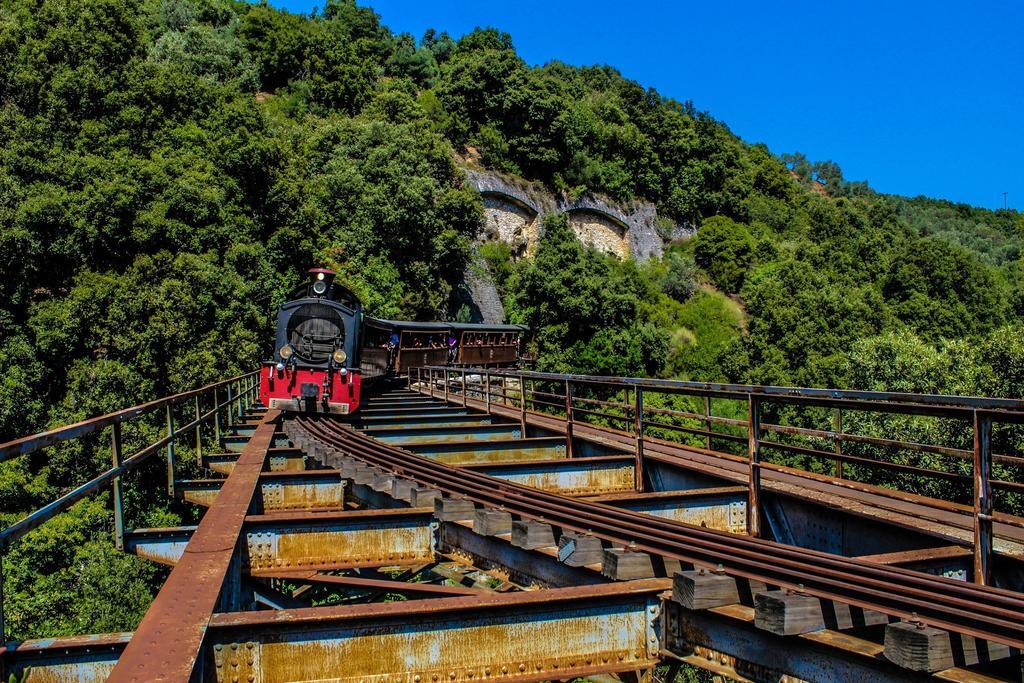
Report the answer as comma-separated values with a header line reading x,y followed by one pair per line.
x,y
339,356
285,352
321,280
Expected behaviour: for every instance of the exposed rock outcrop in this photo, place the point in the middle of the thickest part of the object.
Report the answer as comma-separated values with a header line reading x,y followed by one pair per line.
x,y
514,209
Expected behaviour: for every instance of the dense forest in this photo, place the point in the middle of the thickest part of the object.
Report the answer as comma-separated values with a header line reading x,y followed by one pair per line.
x,y
170,168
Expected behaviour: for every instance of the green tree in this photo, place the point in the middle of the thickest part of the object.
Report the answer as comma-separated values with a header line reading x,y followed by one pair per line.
x,y
725,250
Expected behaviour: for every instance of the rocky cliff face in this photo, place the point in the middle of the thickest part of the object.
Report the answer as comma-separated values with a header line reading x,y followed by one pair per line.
x,y
482,296
514,209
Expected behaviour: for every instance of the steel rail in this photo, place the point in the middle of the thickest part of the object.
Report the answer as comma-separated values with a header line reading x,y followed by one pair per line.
x,y
840,562
769,579
432,480
982,612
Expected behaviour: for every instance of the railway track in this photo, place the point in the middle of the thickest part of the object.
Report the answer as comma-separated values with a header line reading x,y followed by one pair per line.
x,y
978,611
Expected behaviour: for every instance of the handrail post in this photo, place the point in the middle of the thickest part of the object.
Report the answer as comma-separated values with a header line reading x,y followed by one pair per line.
x,y
447,380
246,394
3,623
238,402
487,391
216,416
568,419
983,506
170,450
115,460
837,429
638,435
754,458
707,421
199,433
465,386
430,378
231,414
626,406
522,405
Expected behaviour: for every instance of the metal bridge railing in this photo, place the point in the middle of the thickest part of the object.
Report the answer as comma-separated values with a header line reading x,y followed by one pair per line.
x,y
654,411
240,393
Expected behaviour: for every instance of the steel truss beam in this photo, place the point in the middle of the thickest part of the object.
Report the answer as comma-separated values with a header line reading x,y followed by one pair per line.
x,y
81,659
558,634
314,541
285,490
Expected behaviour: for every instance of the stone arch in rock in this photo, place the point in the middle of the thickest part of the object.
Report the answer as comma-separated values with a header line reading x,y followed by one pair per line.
x,y
511,219
599,228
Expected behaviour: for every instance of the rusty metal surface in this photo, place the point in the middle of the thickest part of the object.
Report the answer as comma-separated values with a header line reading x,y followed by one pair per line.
x,y
163,546
568,476
300,490
562,633
984,612
723,508
167,643
285,459
445,434
493,451
222,463
74,659
322,541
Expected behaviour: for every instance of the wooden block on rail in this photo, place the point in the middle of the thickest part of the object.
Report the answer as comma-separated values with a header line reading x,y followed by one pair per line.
x,y
423,497
453,509
623,564
578,550
365,474
348,467
401,489
531,534
492,522
383,482
701,589
787,613
918,647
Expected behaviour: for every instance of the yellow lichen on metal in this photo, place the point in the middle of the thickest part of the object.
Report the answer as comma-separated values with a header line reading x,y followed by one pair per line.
x,y
730,517
336,548
72,672
582,482
204,497
495,648
301,495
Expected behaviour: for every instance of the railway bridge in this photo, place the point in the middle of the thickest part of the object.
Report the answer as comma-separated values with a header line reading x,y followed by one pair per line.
x,y
491,525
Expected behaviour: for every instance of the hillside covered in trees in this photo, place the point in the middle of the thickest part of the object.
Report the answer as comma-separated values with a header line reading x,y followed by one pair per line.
x,y
170,168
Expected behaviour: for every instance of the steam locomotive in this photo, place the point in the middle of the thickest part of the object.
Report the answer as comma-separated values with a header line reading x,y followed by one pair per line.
x,y
327,350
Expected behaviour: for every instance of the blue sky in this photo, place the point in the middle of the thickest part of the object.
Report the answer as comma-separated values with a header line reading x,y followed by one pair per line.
x,y
915,97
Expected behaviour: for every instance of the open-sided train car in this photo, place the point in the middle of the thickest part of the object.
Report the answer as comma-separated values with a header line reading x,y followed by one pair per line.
x,y
327,351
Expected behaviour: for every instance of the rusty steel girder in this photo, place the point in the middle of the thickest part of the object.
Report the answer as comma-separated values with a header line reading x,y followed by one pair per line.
x,y
314,541
557,634
285,490
569,476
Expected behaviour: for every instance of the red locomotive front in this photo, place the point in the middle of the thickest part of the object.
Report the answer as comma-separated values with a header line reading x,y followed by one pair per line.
x,y
315,366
